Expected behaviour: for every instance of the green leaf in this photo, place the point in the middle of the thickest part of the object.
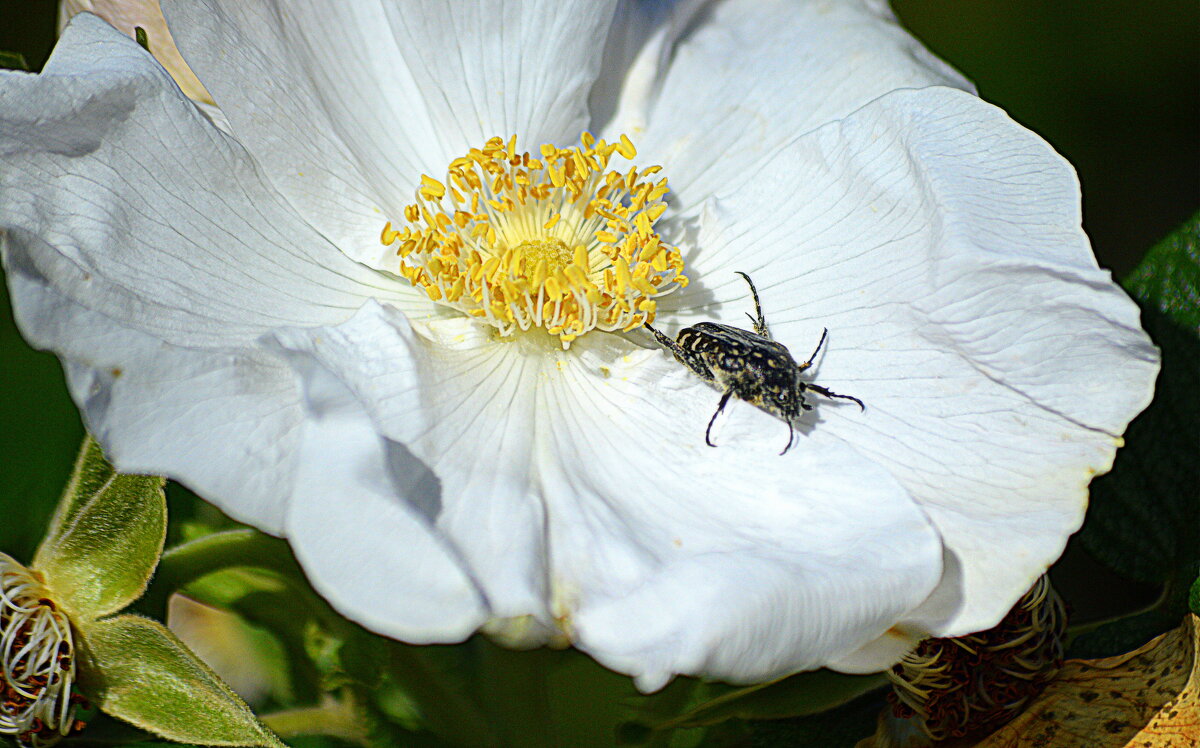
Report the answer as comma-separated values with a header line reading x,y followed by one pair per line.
x,y
187,562
845,725
136,670
105,538
1144,521
89,475
1194,597
1169,277
13,61
797,695
1122,635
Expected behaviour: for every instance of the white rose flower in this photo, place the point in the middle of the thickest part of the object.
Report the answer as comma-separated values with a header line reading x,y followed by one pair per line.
x,y
358,321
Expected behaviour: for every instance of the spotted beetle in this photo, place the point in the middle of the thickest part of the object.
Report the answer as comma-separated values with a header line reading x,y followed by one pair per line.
x,y
748,365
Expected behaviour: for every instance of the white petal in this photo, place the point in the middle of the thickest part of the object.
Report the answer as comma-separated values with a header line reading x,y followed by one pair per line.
x,y
462,405
635,24
939,242
128,201
128,15
321,96
223,421
501,67
527,439
348,104
748,76
737,563
356,524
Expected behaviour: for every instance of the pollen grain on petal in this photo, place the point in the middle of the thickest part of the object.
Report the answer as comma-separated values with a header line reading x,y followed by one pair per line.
x,y
562,242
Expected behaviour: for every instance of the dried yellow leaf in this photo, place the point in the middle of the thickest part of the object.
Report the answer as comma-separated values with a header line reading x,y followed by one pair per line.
x,y
1148,698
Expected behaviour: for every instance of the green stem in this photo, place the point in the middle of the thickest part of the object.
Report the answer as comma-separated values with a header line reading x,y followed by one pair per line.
x,y
333,717
1174,595
188,562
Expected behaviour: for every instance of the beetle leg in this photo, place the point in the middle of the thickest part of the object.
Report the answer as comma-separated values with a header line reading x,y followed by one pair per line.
x,y
760,324
683,355
827,393
791,436
711,421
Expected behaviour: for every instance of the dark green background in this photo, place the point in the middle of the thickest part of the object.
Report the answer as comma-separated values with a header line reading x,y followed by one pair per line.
x,y
1115,86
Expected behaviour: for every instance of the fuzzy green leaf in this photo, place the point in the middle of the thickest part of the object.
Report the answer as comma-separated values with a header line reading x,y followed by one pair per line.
x,y
136,670
105,538
89,475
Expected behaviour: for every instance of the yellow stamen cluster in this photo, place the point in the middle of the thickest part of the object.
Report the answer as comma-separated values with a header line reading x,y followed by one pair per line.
x,y
558,242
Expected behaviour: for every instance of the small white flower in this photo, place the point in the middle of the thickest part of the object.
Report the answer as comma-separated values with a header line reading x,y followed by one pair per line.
x,y
228,315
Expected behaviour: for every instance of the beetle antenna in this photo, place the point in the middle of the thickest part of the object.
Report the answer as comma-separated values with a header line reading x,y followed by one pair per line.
x,y
820,343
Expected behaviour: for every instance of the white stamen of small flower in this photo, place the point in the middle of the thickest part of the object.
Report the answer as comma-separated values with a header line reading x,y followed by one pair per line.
x,y
558,242
955,688
37,657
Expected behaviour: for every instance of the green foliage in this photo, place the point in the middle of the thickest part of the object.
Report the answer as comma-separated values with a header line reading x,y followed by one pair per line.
x,y
842,727
13,61
98,555
39,436
1145,516
105,538
1169,277
1144,521
800,694
138,671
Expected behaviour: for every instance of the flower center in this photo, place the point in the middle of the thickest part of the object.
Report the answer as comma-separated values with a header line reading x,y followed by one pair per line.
x,y
560,242
37,657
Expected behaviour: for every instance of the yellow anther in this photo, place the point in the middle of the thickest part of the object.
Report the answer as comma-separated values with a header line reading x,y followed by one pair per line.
x,y
644,286
540,270
388,235
431,188
577,276
626,148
